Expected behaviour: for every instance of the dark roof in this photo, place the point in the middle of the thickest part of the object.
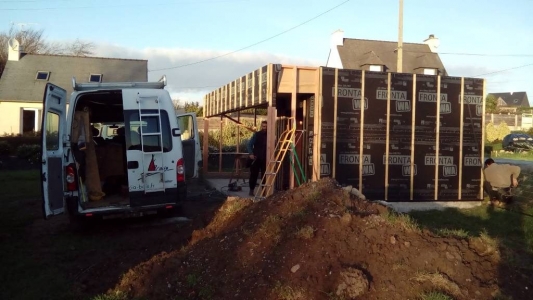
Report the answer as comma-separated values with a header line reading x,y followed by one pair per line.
x,y
19,83
356,53
515,99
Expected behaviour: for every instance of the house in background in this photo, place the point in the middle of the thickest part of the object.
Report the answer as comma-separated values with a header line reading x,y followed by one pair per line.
x,y
510,102
381,56
25,76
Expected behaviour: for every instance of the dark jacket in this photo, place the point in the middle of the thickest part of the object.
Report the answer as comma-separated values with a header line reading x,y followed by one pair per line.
x,y
258,144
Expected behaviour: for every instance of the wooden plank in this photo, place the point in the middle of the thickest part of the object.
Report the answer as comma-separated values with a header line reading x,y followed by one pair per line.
x,y
413,125
220,145
361,131
482,150
205,153
306,80
317,127
335,104
461,136
387,138
437,140
294,94
271,139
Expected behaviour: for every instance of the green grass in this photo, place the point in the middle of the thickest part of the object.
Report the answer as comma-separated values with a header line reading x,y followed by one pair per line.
x,y
435,296
20,184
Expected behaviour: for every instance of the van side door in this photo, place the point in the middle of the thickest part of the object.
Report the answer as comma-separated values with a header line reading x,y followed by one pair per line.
x,y
53,135
190,140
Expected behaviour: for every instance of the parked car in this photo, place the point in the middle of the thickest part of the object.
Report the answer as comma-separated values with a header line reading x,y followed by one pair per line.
x,y
517,142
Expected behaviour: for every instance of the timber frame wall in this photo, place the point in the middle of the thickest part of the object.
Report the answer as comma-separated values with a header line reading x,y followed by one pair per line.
x,y
390,145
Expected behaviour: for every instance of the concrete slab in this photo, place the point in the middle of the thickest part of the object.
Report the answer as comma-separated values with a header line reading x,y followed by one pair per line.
x,y
222,186
405,207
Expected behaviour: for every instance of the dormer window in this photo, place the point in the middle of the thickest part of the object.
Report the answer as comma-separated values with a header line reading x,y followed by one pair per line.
x,y
95,78
430,71
375,68
42,75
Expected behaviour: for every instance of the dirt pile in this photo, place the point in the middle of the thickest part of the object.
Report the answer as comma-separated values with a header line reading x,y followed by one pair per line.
x,y
315,242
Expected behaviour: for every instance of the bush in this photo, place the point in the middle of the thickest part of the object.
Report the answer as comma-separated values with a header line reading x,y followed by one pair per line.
x,y
496,133
16,141
5,148
30,152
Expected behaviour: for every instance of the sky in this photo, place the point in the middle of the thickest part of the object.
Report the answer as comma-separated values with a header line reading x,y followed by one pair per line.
x,y
209,43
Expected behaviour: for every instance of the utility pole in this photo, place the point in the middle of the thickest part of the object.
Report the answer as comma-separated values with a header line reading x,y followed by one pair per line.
x,y
399,63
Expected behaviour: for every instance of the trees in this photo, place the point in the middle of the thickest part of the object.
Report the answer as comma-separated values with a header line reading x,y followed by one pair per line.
x,y
34,42
491,103
189,107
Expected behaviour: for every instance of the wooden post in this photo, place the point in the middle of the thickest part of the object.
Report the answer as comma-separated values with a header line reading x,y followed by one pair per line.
x,y
271,138
413,125
361,131
335,104
437,141
294,100
387,139
317,122
482,150
461,136
205,154
220,145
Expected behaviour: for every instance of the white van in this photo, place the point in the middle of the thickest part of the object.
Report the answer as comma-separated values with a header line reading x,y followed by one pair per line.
x,y
141,170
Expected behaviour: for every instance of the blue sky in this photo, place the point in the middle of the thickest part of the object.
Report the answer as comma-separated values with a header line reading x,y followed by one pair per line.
x,y
173,33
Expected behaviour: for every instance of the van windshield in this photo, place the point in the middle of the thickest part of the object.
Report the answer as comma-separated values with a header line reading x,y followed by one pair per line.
x,y
155,138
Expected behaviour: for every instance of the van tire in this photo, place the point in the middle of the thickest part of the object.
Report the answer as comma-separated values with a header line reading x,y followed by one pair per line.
x,y
77,222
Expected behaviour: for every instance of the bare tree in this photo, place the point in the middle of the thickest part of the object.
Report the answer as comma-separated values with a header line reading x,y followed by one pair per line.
x,y
33,42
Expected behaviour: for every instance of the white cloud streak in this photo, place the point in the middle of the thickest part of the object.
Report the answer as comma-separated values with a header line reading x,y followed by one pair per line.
x,y
191,83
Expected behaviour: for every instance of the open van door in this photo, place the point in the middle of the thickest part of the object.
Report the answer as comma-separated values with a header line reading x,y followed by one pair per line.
x,y
190,139
52,147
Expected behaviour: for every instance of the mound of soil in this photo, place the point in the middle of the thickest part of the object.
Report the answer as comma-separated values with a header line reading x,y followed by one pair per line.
x,y
315,242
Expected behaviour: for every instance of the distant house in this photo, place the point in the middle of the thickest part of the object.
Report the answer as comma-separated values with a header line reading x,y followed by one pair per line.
x,y
25,76
381,56
510,102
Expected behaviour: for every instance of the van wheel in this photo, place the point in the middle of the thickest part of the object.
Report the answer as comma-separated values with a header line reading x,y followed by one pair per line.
x,y
77,222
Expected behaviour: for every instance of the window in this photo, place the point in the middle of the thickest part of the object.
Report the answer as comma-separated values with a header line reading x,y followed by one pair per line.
x,y
95,78
52,131
42,75
430,71
185,124
376,68
150,141
29,120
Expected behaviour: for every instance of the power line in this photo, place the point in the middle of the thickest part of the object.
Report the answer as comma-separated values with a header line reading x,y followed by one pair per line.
x,y
473,54
254,44
504,70
120,5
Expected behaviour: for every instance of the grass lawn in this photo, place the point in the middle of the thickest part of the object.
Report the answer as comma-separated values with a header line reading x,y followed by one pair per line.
x,y
510,226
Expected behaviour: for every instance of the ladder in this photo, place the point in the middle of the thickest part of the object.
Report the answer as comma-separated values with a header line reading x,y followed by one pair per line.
x,y
144,115
284,144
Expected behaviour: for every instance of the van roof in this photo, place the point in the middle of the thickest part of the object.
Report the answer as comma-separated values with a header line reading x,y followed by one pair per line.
x,y
118,85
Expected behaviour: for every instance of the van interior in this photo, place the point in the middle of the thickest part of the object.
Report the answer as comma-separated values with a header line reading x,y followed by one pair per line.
x,y
98,143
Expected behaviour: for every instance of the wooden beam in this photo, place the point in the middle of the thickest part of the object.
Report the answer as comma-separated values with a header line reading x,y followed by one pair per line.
x,y
294,96
437,141
387,137
205,153
461,136
238,122
361,131
413,126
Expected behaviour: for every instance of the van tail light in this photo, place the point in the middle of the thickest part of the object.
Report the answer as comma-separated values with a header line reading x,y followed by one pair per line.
x,y
180,170
70,177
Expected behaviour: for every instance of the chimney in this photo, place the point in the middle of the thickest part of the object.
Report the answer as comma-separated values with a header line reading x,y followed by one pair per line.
x,y
14,50
337,39
432,42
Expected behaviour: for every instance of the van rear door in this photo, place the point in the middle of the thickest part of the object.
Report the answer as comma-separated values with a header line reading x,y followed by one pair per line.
x,y
190,140
52,146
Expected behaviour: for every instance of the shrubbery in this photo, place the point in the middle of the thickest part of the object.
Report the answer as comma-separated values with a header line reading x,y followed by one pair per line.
x,y
30,152
495,133
5,148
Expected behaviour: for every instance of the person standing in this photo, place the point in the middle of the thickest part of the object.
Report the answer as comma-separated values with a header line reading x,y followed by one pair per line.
x,y
257,148
499,179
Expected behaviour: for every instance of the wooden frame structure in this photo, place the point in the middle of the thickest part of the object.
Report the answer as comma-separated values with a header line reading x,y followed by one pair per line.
x,y
376,131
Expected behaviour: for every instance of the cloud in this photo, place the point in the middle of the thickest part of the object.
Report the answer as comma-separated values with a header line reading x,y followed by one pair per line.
x,y
191,83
